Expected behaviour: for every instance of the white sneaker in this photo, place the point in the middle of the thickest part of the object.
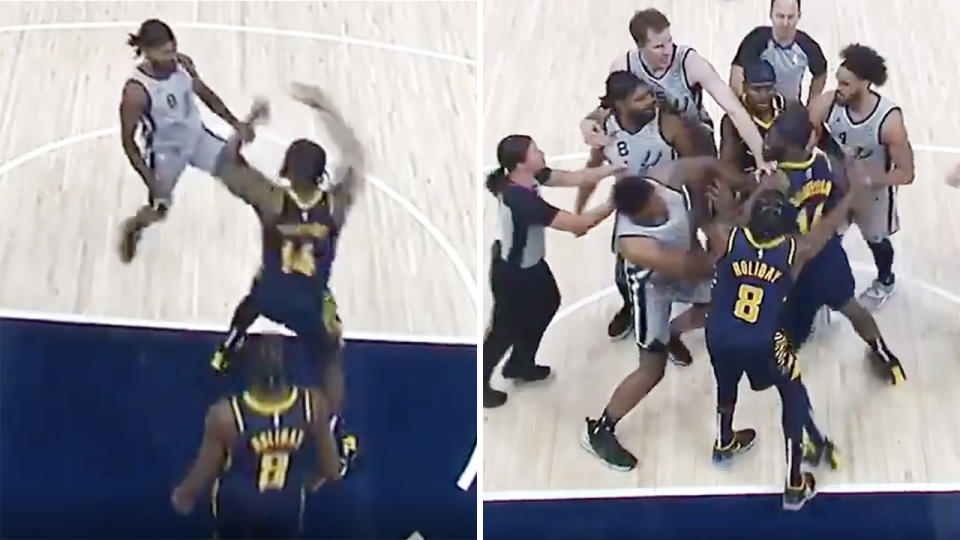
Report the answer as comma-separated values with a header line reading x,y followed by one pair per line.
x,y
876,294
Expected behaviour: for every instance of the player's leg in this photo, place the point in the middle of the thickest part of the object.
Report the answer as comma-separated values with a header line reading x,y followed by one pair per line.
x,y
727,371
838,293
877,220
622,322
167,166
651,322
243,318
543,296
691,319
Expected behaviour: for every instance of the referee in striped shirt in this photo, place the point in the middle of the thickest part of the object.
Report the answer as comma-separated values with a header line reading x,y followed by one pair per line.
x,y
525,294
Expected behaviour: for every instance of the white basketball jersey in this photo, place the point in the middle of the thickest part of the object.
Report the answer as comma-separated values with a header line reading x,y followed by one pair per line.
x,y
862,139
672,88
674,233
172,119
638,151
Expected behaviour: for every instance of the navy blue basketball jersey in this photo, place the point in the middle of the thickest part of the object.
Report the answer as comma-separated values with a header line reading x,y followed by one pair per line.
x,y
746,160
300,245
274,452
813,188
751,282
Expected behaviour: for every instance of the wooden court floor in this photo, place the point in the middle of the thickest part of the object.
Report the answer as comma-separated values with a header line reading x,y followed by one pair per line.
x,y
403,73
544,66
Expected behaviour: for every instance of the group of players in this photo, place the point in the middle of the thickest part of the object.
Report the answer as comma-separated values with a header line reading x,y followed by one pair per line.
x,y
768,204
265,447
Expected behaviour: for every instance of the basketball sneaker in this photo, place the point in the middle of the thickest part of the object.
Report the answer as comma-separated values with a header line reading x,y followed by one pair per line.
x,y
622,323
600,441
814,454
795,497
876,294
526,373
348,446
678,353
493,398
131,233
742,441
889,361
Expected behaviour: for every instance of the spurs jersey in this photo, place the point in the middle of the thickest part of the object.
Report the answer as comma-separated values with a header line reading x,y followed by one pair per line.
x,y
674,233
862,139
172,119
672,88
638,151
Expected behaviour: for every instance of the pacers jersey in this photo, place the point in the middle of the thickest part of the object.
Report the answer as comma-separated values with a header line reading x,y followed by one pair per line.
x,y
674,233
861,139
750,285
172,119
813,190
299,246
638,151
672,88
274,452
747,162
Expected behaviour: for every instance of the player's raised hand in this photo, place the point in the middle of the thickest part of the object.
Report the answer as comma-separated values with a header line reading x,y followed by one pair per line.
x,y
593,134
773,180
313,96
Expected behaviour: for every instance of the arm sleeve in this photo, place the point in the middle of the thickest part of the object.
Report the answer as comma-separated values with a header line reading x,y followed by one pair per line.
x,y
817,62
530,207
752,45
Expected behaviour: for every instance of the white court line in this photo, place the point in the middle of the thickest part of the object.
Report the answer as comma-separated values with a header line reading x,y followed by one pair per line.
x,y
131,25
585,155
697,491
409,207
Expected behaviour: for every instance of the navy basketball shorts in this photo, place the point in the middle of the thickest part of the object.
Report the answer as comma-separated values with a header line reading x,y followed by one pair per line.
x,y
826,281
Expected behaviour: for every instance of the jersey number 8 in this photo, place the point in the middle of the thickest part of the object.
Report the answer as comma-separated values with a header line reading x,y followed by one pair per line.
x,y
273,470
622,148
747,307
297,259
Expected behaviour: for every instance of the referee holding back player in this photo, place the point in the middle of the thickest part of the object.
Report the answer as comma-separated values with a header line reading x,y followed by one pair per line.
x,y
525,294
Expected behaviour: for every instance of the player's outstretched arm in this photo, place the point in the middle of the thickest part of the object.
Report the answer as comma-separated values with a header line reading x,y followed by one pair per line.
x,y
210,98
580,224
328,461
244,181
699,172
699,71
133,105
348,176
692,266
588,176
819,109
210,459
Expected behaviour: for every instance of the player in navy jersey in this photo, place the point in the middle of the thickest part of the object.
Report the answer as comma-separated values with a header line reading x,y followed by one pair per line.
x,y
301,223
262,450
828,279
763,103
754,275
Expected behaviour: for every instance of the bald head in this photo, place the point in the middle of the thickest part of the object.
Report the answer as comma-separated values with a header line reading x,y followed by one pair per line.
x,y
784,16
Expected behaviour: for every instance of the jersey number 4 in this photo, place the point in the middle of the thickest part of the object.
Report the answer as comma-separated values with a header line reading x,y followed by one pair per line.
x,y
273,470
297,259
747,307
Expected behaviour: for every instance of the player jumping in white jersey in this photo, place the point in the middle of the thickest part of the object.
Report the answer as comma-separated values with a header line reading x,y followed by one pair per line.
x,y
869,127
158,98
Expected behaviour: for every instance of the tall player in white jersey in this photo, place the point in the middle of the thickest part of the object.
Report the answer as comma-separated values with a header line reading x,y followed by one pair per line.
x,y
158,98
643,136
678,75
664,264
869,127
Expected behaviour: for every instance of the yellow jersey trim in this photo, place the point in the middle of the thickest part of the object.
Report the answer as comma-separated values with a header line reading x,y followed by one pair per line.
x,y
763,245
265,408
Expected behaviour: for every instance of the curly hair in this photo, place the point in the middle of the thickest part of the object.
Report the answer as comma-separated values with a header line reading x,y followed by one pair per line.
x,y
865,63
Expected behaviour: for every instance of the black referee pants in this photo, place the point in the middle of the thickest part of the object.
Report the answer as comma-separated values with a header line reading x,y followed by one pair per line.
x,y
524,302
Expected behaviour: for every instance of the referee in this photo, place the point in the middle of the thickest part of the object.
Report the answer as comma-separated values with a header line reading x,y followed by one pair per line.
x,y
791,52
525,294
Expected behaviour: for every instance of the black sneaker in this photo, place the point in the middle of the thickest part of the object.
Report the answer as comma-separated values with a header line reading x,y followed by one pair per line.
x,y
526,373
602,443
493,398
890,364
130,234
678,353
795,497
742,441
622,324
814,455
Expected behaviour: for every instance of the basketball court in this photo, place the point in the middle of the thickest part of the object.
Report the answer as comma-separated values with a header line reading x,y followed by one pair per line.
x,y
130,343
891,439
